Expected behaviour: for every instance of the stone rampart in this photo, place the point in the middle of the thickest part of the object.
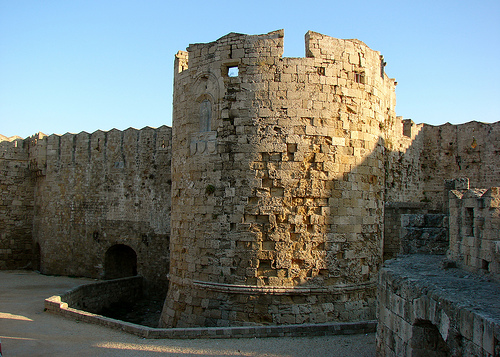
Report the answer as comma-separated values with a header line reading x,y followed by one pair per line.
x,y
16,205
96,297
424,234
283,176
102,190
393,211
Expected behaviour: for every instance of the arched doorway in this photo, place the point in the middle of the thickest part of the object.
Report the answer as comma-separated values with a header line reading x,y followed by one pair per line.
x,y
427,341
120,261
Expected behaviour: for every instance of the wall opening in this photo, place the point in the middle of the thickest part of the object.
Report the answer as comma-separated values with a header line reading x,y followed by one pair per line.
x,y
359,77
427,341
232,71
120,261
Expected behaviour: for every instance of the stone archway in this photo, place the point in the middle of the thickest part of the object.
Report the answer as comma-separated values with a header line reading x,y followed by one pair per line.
x,y
426,341
120,261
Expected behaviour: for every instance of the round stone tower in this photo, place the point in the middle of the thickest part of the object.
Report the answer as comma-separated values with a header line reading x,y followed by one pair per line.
x,y
277,182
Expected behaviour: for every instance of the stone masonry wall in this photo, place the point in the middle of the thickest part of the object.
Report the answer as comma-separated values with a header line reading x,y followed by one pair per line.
x,y
392,224
97,190
475,230
278,181
424,234
404,145
16,205
96,297
467,150
425,310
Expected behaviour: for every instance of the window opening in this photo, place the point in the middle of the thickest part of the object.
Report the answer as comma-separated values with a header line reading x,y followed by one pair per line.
x,y
233,71
359,78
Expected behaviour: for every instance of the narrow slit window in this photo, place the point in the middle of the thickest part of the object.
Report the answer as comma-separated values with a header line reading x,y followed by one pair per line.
x,y
232,71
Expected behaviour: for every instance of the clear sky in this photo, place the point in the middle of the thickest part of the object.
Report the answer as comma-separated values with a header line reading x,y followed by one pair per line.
x,y
84,65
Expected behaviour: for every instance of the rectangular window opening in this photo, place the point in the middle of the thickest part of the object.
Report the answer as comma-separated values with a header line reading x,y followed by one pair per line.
x,y
232,71
359,78
485,265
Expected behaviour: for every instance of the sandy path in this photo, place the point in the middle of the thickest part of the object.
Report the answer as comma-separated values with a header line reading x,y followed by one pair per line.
x,y
25,330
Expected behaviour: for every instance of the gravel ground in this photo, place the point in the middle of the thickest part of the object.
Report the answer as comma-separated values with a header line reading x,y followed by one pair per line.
x,y
25,330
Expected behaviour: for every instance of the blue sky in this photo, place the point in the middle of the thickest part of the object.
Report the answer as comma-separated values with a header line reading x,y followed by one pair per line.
x,y
72,65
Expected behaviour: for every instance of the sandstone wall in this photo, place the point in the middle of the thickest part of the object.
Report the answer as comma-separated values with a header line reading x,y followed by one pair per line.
x,y
404,145
16,205
277,200
98,190
393,211
418,163
452,151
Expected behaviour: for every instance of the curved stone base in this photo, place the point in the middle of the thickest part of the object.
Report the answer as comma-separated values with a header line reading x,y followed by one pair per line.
x,y
209,304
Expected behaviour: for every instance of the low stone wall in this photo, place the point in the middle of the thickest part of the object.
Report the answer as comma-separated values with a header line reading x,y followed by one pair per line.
x,y
95,297
55,305
426,310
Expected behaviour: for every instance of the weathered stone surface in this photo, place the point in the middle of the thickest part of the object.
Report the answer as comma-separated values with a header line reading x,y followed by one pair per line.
x,y
297,162
288,179
424,234
475,230
427,310
90,192
16,204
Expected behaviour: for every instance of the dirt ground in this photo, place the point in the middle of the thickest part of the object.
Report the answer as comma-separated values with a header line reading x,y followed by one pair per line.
x,y
26,330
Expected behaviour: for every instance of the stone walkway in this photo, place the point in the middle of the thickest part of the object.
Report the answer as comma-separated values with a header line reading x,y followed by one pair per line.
x,y
26,330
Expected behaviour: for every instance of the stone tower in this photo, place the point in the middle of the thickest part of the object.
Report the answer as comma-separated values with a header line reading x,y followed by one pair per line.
x,y
277,181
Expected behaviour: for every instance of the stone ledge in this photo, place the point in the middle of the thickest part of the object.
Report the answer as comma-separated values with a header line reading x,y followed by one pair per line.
x,y
281,290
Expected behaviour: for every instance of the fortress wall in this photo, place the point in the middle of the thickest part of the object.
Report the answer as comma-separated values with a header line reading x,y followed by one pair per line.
x,y
467,150
404,143
16,205
277,203
102,189
403,180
